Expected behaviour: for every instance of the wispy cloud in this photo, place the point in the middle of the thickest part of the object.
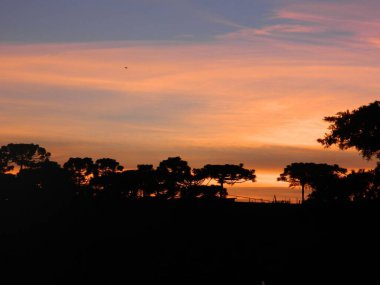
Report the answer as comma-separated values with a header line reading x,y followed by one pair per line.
x,y
255,95
270,31
217,19
288,28
346,24
203,93
353,21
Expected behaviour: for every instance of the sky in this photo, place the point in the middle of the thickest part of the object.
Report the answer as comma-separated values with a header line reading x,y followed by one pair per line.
x,y
211,81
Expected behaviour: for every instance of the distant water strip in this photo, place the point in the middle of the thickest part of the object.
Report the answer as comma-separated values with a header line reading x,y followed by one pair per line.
x,y
265,194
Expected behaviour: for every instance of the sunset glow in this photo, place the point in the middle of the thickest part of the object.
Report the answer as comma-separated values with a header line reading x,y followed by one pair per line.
x,y
244,92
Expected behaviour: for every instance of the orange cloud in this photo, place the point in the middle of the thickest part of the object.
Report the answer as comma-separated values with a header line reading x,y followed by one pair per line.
x,y
177,99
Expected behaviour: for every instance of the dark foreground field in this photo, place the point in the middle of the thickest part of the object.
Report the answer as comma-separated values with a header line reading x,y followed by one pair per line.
x,y
182,242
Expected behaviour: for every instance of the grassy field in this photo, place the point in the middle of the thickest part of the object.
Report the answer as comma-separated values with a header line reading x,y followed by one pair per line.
x,y
174,241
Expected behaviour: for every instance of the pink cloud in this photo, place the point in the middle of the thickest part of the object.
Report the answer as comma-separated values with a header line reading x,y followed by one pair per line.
x,y
272,30
316,11
345,25
374,41
351,23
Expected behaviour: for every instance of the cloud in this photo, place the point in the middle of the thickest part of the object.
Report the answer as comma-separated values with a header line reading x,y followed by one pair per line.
x,y
269,158
213,18
271,30
343,25
224,89
256,93
219,101
350,21
374,41
287,28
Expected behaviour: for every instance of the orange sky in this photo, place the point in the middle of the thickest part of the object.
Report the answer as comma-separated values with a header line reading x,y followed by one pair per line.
x,y
255,95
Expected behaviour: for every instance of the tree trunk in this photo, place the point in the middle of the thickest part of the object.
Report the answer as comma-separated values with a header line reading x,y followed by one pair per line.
x,y
303,193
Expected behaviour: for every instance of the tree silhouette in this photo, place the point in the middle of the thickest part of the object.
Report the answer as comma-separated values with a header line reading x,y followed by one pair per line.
x,y
48,179
359,128
41,177
203,192
104,174
192,186
148,183
80,169
24,155
4,161
361,185
329,186
6,182
173,174
226,174
308,174
129,184
376,185
106,166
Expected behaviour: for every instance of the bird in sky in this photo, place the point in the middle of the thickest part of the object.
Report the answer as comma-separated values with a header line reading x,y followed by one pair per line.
x,y
126,67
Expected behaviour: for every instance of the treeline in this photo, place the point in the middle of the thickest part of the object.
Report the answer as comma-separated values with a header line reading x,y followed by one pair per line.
x,y
332,183
359,129
28,168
